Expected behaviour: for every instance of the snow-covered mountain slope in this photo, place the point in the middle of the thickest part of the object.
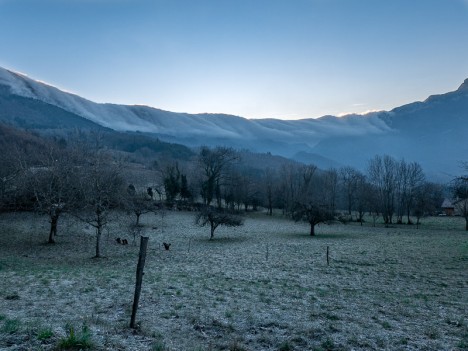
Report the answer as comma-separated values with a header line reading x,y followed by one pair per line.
x,y
188,126
432,132
113,116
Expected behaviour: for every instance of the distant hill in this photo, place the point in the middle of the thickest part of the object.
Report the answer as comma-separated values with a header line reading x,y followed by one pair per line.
x,y
432,132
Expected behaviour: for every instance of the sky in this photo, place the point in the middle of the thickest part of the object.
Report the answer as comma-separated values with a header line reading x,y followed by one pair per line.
x,y
286,59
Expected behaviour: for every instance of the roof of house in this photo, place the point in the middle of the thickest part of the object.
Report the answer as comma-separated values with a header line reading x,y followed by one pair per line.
x,y
447,204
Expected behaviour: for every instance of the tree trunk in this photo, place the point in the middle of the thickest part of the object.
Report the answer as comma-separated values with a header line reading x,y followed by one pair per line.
x,y
312,229
138,219
98,237
53,229
218,195
270,203
212,232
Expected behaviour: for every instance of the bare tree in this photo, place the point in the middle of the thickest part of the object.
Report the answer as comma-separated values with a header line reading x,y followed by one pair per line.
x,y
215,164
313,214
414,179
295,185
427,198
313,203
401,185
216,217
53,182
185,192
246,188
101,189
460,194
20,150
330,183
372,200
382,175
350,179
361,197
269,183
236,189
290,182
10,171
408,177
171,179
138,203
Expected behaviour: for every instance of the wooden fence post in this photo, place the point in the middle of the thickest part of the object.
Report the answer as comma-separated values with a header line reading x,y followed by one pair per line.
x,y
139,278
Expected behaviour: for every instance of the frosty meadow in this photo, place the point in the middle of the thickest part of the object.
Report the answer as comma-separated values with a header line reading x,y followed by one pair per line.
x,y
263,286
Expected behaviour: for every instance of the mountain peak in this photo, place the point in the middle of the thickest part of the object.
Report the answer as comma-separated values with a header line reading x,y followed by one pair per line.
x,y
464,86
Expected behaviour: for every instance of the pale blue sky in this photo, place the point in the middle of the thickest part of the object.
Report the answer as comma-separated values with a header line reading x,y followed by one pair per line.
x,y
285,59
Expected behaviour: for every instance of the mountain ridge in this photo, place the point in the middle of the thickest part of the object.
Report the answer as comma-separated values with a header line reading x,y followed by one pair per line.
x,y
328,140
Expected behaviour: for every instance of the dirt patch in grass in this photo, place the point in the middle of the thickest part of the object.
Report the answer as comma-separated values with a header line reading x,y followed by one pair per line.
x,y
263,286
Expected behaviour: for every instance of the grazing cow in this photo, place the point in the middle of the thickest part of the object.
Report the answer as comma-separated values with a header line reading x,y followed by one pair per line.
x,y
122,241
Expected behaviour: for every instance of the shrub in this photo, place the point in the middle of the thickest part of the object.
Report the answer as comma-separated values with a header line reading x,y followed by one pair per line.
x,y
76,340
159,346
285,346
11,326
44,334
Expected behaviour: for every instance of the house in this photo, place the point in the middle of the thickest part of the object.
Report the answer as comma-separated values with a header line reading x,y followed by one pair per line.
x,y
448,207
455,207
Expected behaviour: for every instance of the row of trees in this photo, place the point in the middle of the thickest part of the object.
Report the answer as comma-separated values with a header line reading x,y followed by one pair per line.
x,y
393,189
87,180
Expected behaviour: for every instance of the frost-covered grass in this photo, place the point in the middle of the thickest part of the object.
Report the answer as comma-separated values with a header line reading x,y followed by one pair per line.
x,y
263,286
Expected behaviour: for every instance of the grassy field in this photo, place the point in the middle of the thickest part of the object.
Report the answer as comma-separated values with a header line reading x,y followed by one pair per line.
x,y
263,286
